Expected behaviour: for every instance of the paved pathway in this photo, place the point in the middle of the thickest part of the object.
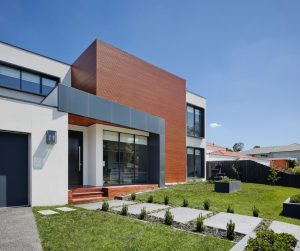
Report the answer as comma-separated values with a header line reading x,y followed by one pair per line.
x,y
243,224
18,230
98,205
183,214
136,209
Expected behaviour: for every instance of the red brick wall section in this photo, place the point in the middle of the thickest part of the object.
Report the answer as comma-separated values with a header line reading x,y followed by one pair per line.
x,y
130,81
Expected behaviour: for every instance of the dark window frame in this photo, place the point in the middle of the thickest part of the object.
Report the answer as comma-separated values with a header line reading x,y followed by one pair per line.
x,y
201,124
134,156
202,152
27,70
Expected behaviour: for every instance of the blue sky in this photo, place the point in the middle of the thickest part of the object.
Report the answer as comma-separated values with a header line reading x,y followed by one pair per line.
x,y
243,56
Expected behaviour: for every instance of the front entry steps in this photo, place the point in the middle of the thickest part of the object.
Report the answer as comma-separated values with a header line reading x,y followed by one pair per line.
x,y
78,195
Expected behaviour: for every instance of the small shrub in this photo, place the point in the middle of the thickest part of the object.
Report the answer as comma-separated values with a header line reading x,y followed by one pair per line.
x,y
230,234
185,203
124,210
105,206
255,211
273,176
200,224
295,198
268,240
296,170
143,213
168,218
133,196
206,204
230,209
166,200
150,199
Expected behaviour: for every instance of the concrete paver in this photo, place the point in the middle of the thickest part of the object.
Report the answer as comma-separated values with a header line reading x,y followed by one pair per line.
x,y
243,224
98,205
136,209
183,214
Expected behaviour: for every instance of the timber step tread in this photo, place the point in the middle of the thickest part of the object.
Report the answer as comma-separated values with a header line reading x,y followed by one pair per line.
x,y
87,193
86,200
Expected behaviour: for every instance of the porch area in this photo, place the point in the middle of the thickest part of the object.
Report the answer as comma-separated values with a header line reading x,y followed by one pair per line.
x,y
86,194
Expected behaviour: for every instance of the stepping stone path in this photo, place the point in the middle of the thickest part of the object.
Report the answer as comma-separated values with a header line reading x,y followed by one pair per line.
x,y
183,214
136,209
47,212
243,224
98,205
65,209
282,227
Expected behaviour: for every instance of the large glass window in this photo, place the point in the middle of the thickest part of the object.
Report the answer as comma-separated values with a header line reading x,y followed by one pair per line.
x,y
10,77
30,82
195,162
125,158
17,78
195,121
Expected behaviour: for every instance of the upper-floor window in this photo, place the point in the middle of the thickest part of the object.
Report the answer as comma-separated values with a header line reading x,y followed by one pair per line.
x,y
195,121
20,79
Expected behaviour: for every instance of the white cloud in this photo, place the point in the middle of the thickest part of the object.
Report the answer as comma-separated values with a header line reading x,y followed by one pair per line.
x,y
214,125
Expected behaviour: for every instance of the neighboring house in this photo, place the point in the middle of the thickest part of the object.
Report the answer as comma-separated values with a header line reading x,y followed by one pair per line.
x,y
109,120
276,152
220,153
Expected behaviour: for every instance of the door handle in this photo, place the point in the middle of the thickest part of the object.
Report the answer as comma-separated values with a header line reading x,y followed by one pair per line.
x,y
79,159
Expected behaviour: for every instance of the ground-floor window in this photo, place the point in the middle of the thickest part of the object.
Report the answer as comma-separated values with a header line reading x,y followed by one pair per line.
x,y
195,162
125,158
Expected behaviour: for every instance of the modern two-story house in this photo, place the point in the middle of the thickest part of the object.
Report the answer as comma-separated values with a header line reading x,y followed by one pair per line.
x,y
108,124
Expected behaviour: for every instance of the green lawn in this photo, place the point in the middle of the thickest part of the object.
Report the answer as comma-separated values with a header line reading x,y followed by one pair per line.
x,y
267,198
96,230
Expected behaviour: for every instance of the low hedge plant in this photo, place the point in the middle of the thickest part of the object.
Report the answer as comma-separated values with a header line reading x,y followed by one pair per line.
x,y
269,240
295,199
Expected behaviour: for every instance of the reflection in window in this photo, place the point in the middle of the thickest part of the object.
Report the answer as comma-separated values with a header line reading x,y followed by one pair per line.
x,y
195,121
47,85
125,158
30,82
9,77
195,162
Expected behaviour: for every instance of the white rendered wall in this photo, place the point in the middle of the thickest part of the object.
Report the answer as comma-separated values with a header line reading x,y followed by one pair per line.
x,y
30,60
48,164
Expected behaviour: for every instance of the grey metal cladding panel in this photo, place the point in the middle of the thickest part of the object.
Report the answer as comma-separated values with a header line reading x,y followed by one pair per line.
x,y
120,114
100,108
138,119
153,124
79,103
87,105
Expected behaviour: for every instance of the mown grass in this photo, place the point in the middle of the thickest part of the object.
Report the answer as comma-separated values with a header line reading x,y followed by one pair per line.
x,y
97,230
267,198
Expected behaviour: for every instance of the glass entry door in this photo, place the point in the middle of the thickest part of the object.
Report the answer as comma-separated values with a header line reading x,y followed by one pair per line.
x,y
125,158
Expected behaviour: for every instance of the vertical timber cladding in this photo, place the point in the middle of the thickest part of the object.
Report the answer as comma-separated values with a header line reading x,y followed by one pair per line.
x,y
130,81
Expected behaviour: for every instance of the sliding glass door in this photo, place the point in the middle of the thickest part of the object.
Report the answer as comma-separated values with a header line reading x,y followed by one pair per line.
x,y
125,158
195,162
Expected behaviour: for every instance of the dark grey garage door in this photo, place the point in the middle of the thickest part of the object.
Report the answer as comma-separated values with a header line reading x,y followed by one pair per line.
x,y
13,169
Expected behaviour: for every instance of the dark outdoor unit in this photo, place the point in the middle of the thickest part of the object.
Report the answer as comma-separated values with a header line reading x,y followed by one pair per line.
x,y
291,209
228,186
